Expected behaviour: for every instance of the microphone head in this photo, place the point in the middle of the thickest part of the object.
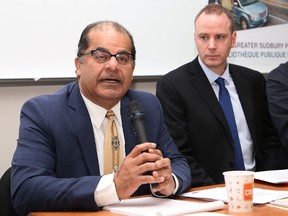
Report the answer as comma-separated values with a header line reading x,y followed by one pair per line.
x,y
134,108
137,119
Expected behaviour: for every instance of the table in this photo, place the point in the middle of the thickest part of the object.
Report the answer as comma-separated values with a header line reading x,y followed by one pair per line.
x,y
258,210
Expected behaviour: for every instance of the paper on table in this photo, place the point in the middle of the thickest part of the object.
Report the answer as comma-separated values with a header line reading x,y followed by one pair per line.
x,y
260,196
273,176
161,206
280,203
206,214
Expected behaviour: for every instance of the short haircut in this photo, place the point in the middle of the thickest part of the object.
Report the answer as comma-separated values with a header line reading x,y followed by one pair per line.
x,y
218,10
84,39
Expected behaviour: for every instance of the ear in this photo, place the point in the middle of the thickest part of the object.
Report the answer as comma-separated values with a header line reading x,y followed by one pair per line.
x,y
78,62
234,36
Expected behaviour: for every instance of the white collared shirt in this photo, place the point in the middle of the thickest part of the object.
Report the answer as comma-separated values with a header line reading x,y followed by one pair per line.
x,y
99,122
105,192
242,126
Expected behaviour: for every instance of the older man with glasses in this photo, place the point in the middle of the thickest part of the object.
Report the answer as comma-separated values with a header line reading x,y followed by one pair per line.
x,y
77,148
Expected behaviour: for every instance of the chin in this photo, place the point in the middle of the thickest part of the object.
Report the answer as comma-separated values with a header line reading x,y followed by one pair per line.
x,y
112,95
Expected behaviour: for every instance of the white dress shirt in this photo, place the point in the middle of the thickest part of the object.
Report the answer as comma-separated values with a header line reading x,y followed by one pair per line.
x,y
105,192
242,127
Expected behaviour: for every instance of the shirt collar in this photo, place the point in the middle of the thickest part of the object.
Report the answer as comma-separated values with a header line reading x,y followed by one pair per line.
x,y
98,113
212,76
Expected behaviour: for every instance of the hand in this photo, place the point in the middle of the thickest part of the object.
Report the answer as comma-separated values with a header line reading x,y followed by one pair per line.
x,y
164,172
130,175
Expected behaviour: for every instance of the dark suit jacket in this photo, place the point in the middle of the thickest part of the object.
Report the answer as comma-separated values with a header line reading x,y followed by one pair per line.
x,y
198,126
55,165
277,91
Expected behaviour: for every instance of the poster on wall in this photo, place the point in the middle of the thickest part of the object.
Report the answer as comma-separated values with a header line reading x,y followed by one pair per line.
x,y
262,32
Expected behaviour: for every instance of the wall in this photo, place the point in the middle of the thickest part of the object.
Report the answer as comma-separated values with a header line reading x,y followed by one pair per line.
x,y
12,99
48,37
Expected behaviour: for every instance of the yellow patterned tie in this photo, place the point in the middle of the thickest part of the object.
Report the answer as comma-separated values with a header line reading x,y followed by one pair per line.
x,y
113,153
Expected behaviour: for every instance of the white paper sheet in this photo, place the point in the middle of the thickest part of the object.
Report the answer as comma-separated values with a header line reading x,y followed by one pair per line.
x,y
281,203
153,206
273,176
206,214
260,196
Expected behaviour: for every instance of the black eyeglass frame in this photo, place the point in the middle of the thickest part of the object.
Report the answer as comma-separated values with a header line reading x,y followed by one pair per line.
x,y
105,51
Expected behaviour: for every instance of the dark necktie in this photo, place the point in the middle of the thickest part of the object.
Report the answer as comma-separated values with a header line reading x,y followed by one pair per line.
x,y
225,102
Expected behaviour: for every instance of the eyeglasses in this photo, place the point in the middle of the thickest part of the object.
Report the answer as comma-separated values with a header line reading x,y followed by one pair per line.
x,y
101,56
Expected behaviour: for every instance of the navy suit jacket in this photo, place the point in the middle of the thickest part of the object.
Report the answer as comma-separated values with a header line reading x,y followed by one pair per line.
x,y
198,126
55,165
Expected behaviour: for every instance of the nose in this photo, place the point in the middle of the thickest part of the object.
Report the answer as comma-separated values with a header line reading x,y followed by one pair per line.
x,y
212,44
112,63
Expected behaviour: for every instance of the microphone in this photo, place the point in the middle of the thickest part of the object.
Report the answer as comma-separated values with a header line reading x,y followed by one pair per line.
x,y
137,119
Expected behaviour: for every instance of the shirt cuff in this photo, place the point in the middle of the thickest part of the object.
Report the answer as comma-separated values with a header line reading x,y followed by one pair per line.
x,y
105,192
157,194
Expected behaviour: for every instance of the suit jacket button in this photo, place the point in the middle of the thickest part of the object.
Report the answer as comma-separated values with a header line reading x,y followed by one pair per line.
x,y
231,164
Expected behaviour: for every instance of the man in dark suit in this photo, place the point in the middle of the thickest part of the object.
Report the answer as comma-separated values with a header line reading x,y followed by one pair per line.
x,y
59,163
192,112
277,93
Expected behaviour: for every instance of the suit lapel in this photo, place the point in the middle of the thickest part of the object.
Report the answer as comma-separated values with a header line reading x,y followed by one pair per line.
x,y
205,90
80,118
129,134
243,87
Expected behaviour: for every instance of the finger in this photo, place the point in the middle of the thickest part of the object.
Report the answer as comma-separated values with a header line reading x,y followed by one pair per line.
x,y
138,149
148,166
163,169
166,186
163,163
148,179
155,151
160,185
145,157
